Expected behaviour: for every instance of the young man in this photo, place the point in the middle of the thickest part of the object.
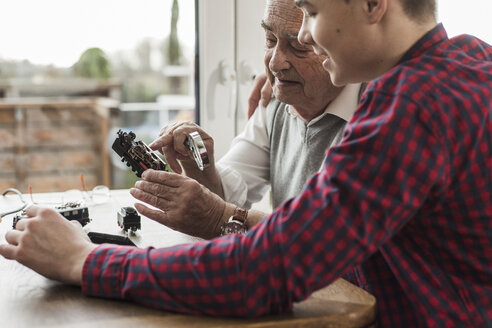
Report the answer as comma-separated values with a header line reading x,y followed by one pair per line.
x,y
404,202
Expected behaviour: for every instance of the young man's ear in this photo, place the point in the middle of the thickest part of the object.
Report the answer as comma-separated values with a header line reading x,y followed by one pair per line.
x,y
375,10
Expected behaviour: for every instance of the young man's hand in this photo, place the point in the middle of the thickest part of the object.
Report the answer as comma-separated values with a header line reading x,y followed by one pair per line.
x,y
49,244
260,95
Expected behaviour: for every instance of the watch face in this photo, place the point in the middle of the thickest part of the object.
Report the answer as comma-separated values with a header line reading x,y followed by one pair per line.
x,y
234,226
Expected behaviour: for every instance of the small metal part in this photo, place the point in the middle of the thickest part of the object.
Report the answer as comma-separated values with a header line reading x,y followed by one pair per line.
x,y
18,217
195,144
128,219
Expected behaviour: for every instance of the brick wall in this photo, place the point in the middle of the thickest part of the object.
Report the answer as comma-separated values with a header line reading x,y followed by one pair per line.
x,y
47,144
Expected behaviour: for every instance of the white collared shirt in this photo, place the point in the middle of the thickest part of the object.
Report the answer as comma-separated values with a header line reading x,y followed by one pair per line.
x,y
245,168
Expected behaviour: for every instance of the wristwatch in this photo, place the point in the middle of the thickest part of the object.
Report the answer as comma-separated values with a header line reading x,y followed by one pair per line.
x,y
236,223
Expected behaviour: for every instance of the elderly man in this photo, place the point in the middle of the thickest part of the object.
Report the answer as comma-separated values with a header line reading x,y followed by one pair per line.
x,y
281,146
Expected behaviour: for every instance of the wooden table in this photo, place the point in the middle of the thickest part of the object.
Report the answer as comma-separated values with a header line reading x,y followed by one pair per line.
x,y
30,300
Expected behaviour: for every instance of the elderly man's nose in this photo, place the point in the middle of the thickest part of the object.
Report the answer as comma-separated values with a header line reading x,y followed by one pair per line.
x,y
279,61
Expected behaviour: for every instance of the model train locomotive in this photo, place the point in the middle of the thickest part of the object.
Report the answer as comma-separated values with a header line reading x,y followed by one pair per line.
x,y
137,154
71,211
128,219
140,157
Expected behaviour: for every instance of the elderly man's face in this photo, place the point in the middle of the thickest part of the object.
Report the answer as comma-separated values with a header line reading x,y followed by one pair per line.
x,y
294,70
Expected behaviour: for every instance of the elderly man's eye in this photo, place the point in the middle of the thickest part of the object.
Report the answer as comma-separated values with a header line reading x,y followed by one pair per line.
x,y
270,42
301,49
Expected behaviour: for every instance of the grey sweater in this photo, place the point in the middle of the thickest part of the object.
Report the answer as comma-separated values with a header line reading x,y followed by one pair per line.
x,y
297,149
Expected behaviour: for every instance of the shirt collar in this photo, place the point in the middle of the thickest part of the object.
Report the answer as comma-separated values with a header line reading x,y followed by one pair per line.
x,y
429,40
343,106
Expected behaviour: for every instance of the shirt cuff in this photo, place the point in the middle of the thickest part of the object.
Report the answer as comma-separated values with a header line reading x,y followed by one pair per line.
x,y
102,275
234,187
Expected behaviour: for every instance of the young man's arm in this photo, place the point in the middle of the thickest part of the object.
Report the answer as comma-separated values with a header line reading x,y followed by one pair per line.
x,y
344,214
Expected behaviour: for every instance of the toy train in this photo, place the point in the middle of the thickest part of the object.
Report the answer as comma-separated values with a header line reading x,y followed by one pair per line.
x,y
128,219
71,211
137,154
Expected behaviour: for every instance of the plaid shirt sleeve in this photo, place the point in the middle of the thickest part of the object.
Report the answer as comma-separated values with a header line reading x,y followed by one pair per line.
x,y
306,243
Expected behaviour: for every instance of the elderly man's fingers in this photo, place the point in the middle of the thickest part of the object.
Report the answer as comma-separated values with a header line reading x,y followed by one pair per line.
x,y
180,135
171,157
156,189
149,198
162,177
156,215
168,129
13,237
184,130
179,142
8,251
165,129
161,142
165,136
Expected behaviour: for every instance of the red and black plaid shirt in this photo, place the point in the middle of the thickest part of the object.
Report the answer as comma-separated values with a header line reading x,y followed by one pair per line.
x,y
403,206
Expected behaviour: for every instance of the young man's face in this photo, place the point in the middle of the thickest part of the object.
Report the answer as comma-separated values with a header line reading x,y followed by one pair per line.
x,y
337,29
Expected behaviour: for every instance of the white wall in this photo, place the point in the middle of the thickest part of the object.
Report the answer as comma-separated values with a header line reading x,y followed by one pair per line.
x,y
470,17
250,48
231,45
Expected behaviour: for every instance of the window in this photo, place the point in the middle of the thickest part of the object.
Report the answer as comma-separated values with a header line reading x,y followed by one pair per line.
x,y
58,56
470,17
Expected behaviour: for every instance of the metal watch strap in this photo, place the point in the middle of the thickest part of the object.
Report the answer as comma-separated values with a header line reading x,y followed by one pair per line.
x,y
240,214
236,223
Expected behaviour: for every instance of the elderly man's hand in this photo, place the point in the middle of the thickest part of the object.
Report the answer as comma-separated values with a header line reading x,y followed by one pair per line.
x,y
171,143
260,95
49,244
183,204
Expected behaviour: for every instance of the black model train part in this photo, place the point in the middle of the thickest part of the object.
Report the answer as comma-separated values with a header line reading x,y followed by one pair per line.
x,y
128,219
137,154
18,217
102,238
